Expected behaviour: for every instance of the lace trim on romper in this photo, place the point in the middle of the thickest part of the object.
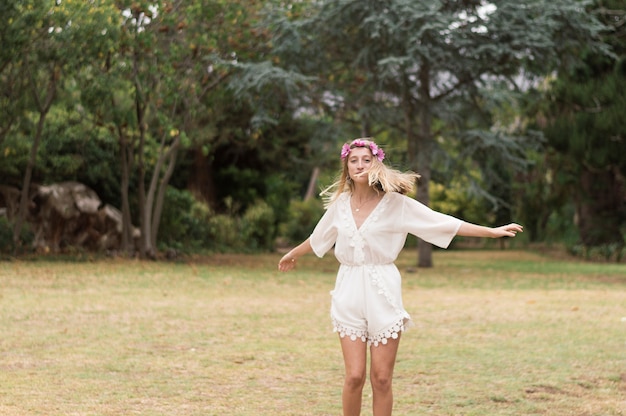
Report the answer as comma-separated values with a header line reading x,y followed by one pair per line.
x,y
358,242
380,338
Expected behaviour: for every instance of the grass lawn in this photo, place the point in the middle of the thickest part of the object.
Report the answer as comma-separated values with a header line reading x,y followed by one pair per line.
x,y
497,333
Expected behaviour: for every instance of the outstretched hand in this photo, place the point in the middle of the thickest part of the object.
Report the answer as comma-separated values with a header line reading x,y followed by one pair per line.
x,y
286,263
509,230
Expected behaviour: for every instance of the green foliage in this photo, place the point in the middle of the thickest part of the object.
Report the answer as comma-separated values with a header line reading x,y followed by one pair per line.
x,y
455,199
81,152
224,231
606,252
301,219
258,105
244,185
278,190
13,158
559,226
258,226
188,224
583,120
181,222
6,236
425,70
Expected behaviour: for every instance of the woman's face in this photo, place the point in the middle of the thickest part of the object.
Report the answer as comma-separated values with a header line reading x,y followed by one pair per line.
x,y
359,162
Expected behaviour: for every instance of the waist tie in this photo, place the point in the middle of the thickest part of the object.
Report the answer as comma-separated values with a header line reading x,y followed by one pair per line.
x,y
350,264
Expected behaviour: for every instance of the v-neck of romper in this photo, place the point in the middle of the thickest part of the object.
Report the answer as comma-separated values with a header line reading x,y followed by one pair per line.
x,y
370,215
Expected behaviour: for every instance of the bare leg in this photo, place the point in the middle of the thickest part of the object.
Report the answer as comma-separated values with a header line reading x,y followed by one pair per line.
x,y
354,359
381,374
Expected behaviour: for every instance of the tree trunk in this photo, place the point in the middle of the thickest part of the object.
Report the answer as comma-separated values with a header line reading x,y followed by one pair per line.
x,y
201,179
44,108
424,153
126,165
424,249
144,223
163,183
24,198
310,192
140,112
150,198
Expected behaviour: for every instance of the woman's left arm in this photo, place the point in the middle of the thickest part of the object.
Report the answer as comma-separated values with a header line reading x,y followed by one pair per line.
x,y
472,230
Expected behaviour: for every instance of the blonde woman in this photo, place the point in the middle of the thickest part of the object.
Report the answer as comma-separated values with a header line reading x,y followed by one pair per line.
x,y
367,219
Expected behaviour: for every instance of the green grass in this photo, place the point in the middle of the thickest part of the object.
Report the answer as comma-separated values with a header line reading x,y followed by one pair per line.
x,y
497,333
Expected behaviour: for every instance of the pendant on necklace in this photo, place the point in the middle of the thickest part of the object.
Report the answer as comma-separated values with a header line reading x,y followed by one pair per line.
x,y
357,210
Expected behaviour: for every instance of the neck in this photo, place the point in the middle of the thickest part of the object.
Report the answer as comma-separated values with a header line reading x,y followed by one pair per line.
x,y
363,192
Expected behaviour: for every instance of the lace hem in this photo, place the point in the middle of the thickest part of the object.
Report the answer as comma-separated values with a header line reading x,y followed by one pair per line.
x,y
393,332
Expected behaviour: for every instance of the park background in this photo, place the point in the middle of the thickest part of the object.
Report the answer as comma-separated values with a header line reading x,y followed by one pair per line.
x,y
212,125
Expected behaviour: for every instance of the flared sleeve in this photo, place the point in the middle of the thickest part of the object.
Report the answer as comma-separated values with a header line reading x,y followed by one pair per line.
x,y
429,225
324,235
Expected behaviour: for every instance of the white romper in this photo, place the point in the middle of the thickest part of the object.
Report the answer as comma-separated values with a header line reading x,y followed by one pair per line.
x,y
367,299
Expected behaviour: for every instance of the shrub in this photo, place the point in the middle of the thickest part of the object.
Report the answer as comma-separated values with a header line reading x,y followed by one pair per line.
x,y
6,235
224,233
258,226
189,224
301,219
185,221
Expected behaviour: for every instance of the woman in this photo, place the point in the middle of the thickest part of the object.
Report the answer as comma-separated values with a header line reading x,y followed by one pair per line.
x,y
367,219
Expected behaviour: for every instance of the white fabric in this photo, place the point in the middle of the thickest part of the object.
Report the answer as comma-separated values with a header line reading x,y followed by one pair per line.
x,y
367,299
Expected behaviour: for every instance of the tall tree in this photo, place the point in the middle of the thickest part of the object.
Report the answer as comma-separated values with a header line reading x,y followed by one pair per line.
x,y
224,36
584,124
174,53
14,27
47,43
406,63
153,57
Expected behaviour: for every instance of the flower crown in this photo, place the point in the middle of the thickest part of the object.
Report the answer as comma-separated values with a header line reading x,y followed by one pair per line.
x,y
376,151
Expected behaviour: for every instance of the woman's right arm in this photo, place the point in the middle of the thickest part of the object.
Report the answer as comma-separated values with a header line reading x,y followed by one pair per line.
x,y
288,261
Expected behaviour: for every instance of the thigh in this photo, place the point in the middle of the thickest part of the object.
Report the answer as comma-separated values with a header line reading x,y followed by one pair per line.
x,y
354,356
383,357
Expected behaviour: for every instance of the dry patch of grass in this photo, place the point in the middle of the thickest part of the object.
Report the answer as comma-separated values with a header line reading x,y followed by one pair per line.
x,y
497,333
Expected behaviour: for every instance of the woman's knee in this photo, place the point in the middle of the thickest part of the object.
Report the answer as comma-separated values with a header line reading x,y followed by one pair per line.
x,y
355,380
381,381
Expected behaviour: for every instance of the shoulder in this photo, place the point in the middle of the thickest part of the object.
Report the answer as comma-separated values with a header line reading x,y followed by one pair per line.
x,y
341,199
407,203
398,198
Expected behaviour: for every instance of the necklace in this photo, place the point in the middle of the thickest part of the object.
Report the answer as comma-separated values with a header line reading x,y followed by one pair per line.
x,y
357,209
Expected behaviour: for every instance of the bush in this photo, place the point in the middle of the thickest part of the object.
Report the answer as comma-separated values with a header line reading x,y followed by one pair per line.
x,y
258,227
224,233
6,235
606,252
301,219
189,224
185,222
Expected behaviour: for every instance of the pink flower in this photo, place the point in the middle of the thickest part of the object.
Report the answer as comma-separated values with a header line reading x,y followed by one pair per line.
x,y
345,150
376,151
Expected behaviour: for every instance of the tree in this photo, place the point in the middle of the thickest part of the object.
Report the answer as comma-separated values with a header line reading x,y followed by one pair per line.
x,y
162,88
584,122
414,66
13,29
47,42
151,80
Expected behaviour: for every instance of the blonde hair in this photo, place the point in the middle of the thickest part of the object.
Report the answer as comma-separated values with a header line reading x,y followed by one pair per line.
x,y
380,176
